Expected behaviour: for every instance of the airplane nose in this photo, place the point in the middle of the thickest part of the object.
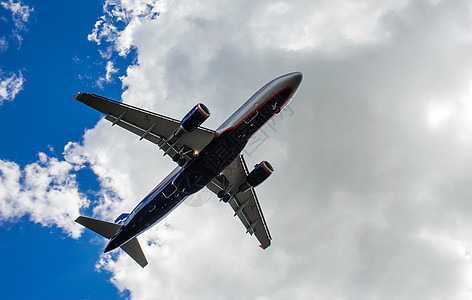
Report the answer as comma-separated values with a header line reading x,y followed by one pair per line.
x,y
296,79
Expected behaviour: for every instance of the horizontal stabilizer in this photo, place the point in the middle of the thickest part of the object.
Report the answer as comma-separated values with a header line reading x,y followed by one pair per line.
x,y
133,249
105,229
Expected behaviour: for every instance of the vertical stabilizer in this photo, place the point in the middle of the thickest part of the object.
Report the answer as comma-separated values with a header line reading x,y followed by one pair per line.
x,y
121,219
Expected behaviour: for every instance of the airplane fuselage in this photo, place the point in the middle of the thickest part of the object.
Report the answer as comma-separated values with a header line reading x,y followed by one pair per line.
x,y
230,139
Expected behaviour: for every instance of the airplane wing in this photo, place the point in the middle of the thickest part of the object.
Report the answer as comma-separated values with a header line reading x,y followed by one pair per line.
x,y
150,126
245,204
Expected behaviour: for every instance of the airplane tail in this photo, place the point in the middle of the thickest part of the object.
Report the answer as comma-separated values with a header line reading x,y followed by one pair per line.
x,y
108,230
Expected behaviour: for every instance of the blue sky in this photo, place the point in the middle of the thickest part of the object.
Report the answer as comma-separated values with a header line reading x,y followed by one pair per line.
x,y
56,60
370,198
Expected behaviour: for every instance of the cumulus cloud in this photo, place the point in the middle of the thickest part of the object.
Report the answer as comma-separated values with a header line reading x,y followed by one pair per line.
x,y
46,191
323,25
10,86
370,198
130,13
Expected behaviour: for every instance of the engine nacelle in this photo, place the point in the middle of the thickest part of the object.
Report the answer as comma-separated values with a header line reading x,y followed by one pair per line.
x,y
261,172
195,117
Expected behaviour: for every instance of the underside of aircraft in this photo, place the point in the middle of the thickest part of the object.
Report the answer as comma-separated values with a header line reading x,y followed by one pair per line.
x,y
205,158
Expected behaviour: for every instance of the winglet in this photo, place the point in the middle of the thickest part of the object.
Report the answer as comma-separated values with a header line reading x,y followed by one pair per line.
x,y
75,96
262,247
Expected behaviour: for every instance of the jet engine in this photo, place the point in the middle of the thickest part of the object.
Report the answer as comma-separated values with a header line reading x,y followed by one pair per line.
x,y
195,117
260,173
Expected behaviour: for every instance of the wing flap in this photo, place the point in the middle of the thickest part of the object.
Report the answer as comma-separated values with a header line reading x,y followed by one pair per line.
x,y
136,130
246,207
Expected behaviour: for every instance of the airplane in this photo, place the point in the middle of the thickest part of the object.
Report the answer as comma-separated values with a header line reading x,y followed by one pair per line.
x,y
205,158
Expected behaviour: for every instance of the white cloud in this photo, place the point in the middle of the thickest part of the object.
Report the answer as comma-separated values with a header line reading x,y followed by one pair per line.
x,y
20,14
46,191
371,183
102,30
323,25
129,12
110,70
315,25
10,86
3,44
438,113
370,175
12,83
368,201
